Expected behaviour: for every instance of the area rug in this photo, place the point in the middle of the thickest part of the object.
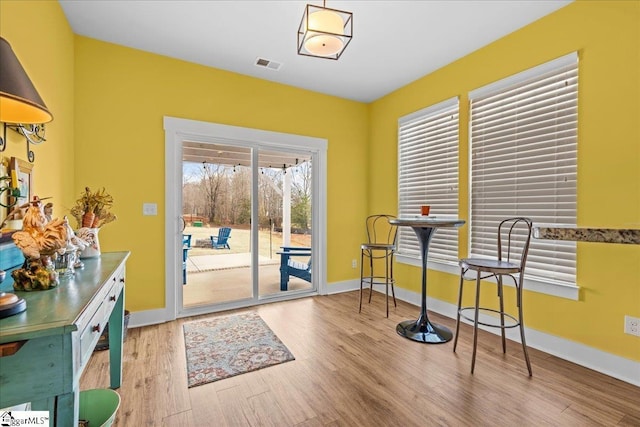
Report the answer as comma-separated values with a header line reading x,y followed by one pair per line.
x,y
222,347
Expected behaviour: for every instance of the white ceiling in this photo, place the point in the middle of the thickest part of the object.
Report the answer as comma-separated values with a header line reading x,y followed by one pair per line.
x,y
394,41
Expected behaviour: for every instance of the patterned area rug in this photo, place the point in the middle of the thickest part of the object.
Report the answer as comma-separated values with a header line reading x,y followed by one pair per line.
x,y
222,347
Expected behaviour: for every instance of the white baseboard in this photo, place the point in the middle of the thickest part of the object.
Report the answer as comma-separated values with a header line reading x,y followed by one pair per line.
x,y
609,364
148,317
340,287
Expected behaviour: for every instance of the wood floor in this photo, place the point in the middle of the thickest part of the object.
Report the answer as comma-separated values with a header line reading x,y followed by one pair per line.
x,y
354,370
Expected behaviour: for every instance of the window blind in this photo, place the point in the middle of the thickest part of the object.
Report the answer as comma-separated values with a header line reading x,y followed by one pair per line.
x,y
523,133
428,175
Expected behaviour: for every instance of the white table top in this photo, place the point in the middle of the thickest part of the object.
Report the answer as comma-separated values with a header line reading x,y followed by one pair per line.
x,y
433,221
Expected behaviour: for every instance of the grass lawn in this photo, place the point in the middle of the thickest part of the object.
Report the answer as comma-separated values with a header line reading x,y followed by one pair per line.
x,y
240,240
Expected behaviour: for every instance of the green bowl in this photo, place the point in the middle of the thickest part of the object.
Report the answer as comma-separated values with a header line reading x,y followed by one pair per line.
x,y
99,406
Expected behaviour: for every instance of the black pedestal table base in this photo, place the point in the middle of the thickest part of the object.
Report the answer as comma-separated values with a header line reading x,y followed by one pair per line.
x,y
425,332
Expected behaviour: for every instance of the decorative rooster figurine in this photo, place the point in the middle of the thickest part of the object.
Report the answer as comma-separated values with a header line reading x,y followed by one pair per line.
x,y
39,237
39,240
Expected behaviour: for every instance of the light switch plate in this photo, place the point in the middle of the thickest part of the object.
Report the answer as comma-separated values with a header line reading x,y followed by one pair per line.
x,y
149,209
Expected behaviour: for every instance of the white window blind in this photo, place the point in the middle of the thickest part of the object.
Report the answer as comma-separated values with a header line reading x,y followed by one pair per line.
x,y
523,133
428,175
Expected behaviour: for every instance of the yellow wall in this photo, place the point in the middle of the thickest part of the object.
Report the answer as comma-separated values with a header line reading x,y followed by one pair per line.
x,y
607,37
120,99
42,40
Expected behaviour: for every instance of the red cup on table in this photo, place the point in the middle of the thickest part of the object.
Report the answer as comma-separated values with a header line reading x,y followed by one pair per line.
x,y
424,209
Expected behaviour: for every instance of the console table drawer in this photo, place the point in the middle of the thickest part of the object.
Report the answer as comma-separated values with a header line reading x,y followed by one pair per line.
x,y
117,284
94,327
92,331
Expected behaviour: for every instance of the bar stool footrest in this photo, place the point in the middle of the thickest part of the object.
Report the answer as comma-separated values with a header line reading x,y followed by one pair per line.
x,y
377,280
471,318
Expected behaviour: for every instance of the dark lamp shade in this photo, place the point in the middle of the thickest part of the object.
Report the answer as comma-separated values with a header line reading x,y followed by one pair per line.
x,y
19,99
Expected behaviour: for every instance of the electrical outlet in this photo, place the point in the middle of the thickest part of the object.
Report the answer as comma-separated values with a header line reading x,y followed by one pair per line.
x,y
632,325
354,263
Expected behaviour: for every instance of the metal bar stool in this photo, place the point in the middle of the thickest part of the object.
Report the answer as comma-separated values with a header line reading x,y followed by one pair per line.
x,y
514,236
380,246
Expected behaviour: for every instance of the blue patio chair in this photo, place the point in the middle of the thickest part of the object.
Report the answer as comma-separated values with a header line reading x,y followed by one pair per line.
x,y
186,247
185,255
221,240
290,267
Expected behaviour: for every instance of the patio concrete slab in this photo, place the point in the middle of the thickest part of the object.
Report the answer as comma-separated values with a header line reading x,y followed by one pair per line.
x,y
232,284
202,263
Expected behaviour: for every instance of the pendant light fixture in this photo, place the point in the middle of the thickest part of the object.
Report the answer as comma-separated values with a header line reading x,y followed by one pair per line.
x,y
324,32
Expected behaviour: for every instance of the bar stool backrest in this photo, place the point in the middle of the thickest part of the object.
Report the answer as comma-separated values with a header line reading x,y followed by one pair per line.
x,y
380,231
514,237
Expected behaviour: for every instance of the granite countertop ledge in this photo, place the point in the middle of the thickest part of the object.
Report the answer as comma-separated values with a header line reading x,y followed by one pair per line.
x,y
628,236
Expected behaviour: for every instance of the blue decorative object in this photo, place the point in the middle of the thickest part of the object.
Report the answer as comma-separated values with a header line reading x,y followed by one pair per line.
x,y
220,242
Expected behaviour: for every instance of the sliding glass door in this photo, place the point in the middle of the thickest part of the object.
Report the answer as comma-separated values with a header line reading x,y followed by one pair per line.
x,y
247,222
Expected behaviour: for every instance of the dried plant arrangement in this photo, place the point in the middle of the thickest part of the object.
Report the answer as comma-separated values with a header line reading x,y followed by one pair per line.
x,y
92,209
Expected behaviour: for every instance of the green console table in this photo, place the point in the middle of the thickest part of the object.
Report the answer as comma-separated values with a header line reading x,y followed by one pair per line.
x,y
44,350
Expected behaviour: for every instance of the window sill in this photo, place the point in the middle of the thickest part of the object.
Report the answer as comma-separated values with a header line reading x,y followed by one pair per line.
x,y
533,285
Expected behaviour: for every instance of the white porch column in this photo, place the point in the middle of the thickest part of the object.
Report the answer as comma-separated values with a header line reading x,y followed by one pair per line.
x,y
286,209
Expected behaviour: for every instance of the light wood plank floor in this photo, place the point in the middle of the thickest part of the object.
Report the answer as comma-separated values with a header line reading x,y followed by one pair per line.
x,y
354,370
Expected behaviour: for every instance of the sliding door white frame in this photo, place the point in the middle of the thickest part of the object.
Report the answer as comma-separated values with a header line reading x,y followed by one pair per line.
x,y
178,130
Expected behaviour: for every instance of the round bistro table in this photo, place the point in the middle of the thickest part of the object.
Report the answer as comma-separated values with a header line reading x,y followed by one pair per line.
x,y
422,330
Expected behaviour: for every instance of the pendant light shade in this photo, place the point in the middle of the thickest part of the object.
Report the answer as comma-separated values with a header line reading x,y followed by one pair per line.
x,y
324,32
19,99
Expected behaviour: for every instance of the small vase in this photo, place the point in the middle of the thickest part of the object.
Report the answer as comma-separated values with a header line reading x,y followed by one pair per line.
x,y
89,235
64,262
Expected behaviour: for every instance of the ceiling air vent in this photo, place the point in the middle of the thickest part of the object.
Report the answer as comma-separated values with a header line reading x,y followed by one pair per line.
x,y
265,63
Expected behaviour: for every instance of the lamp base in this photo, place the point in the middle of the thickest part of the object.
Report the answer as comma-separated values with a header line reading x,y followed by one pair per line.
x,y
11,304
